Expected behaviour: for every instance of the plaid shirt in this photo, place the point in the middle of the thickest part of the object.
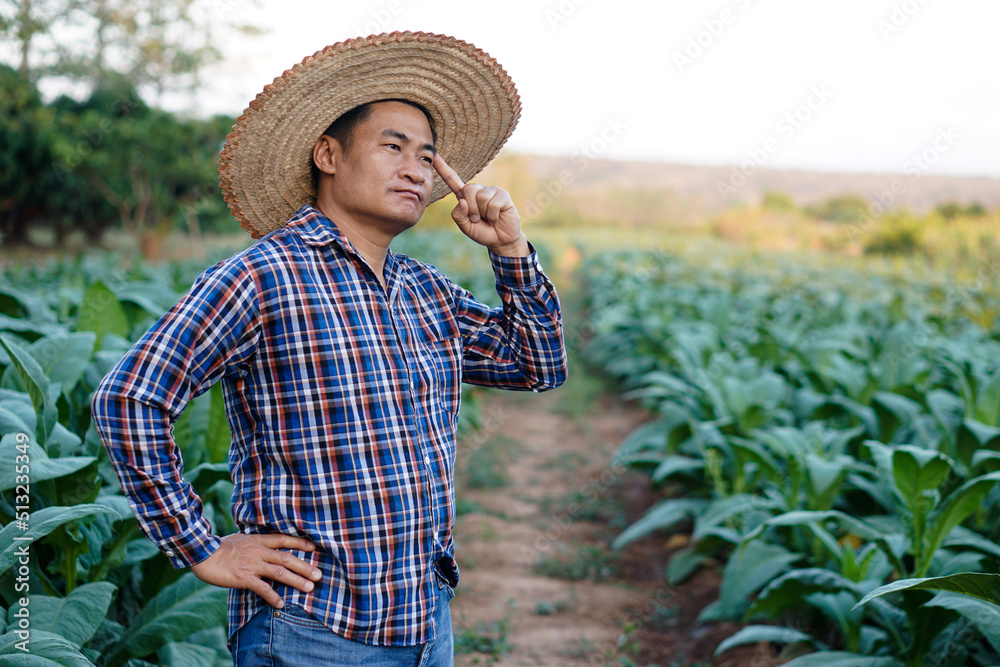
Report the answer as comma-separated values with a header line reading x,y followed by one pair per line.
x,y
343,403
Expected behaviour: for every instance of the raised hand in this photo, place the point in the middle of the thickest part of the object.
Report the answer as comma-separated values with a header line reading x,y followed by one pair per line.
x,y
243,561
485,214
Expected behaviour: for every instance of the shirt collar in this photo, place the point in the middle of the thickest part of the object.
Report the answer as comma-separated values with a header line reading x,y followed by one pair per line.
x,y
318,230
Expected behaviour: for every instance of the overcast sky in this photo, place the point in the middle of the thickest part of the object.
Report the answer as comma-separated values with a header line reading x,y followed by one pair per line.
x,y
850,85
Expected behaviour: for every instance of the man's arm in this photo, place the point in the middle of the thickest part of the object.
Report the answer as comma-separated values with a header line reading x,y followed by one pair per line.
x,y
520,345
206,334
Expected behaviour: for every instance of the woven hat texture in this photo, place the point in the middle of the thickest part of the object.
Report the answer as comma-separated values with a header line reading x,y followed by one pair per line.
x,y
265,165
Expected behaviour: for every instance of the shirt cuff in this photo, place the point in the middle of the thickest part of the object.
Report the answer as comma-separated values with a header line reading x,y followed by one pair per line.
x,y
518,271
193,546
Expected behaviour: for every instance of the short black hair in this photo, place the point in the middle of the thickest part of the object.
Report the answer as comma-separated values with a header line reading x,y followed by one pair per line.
x,y
342,129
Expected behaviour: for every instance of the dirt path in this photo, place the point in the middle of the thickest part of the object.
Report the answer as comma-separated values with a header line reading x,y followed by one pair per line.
x,y
522,518
538,507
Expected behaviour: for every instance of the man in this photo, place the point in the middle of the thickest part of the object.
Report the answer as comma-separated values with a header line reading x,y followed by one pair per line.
x,y
341,361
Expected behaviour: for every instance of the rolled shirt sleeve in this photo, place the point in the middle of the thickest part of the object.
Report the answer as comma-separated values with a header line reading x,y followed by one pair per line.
x,y
204,336
518,345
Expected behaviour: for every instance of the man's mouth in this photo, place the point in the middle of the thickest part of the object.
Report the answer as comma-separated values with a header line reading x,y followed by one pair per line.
x,y
414,194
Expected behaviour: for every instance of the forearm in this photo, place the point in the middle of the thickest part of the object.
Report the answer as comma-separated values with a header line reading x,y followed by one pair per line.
x,y
137,437
519,346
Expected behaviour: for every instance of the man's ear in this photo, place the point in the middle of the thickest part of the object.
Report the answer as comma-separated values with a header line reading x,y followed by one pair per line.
x,y
327,153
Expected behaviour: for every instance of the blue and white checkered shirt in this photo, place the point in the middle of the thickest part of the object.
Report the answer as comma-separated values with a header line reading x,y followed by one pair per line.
x,y
343,401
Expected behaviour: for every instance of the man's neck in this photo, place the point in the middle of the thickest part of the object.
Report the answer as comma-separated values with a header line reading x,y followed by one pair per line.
x,y
370,242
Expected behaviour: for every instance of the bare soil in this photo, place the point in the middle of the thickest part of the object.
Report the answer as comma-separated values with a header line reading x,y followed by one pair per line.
x,y
540,584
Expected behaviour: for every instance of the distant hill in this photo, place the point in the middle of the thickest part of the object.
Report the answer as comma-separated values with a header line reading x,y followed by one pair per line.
x,y
693,190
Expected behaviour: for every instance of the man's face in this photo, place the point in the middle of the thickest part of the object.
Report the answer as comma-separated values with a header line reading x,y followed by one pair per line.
x,y
385,179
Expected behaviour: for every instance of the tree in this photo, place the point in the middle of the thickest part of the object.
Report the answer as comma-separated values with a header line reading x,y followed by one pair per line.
x,y
154,46
777,201
842,208
25,152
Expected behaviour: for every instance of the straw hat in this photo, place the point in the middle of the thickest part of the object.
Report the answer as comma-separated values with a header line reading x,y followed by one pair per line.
x,y
265,165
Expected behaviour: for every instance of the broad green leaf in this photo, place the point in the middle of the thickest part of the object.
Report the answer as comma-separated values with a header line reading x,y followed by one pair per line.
x,y
965,539
836,607
749,569
675,464
189,429
64,357
984,434
40,524
178,610
984,615
665,515
75,617
219,437
988,400
683,564
842,659
751,451
182,654
959,504
101,313
31,330
205,475
12,418
917,474
22,304
893,410
856,527
789,591
46,650
40,466
754,634
982,585
803,517
724,510
824,479
37,385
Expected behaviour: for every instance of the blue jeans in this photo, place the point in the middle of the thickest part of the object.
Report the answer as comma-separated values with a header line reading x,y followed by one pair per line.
x,y
291,637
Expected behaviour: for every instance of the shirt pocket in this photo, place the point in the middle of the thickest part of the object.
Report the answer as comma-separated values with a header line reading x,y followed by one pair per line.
x,y
439,364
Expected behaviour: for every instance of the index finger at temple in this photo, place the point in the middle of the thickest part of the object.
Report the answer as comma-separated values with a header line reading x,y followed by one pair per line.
x,y
449,175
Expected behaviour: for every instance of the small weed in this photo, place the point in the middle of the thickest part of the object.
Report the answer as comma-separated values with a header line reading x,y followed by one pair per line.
x,y
487,465
546,608
463,506
567,462
588,562
580,649
489,639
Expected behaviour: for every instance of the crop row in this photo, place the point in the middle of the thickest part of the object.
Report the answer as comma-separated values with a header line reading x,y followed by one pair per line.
x,y
832,436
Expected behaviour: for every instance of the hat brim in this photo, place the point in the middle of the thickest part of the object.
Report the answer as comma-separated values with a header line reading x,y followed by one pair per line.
x,y
265,167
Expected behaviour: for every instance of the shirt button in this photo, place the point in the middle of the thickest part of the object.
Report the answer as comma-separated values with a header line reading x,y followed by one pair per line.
x,y
427,460
169,554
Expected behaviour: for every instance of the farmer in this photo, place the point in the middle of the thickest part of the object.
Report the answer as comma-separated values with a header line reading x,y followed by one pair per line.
x,y
340,361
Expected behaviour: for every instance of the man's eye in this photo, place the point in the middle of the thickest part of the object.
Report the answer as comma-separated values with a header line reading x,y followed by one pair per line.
x,y
428,160
394,147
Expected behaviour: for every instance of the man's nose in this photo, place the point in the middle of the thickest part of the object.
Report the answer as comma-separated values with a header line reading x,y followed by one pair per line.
x,y
413,169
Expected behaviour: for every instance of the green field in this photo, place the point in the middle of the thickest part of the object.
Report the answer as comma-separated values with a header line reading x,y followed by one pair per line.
x,y
821,425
